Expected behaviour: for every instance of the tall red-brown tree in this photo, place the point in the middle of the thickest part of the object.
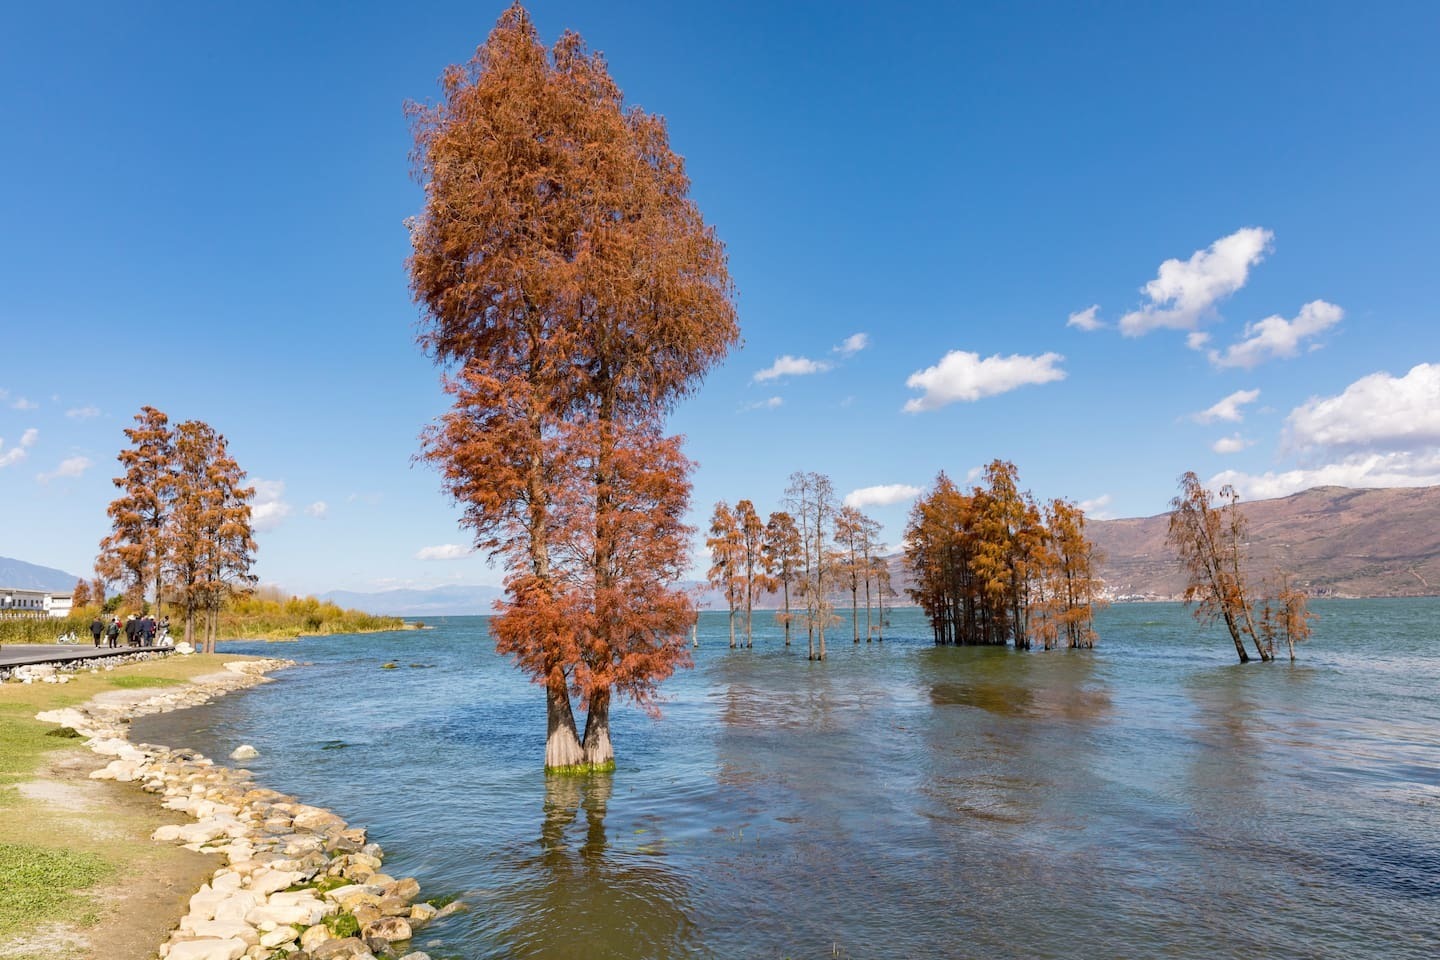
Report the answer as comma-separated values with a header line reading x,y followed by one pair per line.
x,y
752,549
781,553
80,595
562,266
1210,543
727,559
135,549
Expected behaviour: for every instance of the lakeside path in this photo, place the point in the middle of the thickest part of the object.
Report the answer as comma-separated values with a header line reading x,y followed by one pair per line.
x,y
85,878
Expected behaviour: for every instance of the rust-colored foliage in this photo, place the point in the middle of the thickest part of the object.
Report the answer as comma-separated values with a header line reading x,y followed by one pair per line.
x,y
990,569
80,596
727,560
1210,541
212,541
134,550
1285,616
575,293
780,554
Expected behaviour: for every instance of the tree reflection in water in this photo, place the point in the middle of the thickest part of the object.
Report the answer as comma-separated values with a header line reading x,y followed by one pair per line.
x,y
586,895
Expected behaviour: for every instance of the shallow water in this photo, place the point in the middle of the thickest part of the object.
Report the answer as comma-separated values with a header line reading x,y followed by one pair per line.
x,y
1150,798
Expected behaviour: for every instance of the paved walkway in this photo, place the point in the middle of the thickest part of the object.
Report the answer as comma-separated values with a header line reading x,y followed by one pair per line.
x,y
19,654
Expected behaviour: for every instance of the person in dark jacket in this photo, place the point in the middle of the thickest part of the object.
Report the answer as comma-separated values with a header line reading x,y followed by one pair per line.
x,y
112,632
96,628
132,630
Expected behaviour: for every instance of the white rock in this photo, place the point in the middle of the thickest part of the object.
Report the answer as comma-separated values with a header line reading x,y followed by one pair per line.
x,y
229,949
282,914
224,930
167,834
269,881
278,936
204,902
237,906
244,752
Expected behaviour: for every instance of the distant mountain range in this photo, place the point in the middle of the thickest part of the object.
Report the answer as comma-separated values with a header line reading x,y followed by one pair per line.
x,y
19,575
452,601
1335,541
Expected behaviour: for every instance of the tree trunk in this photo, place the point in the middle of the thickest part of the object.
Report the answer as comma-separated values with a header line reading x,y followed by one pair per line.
x,y
785,582
869,629
732,626
562,744
599,754
855,610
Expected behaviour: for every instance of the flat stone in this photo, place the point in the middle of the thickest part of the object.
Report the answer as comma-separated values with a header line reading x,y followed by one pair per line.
x,y
229,949
387,928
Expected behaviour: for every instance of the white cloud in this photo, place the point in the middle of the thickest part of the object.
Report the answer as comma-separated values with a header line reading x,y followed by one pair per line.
x,y
1378,411
1228,408
83,413
69,467
1196,339
961,375
1086,319
1231,444
1278,337
445,551
1184,291
881,495
769,403
20,403
788,366
21,450
1095,508
1398,469
853,344
269,509
317,509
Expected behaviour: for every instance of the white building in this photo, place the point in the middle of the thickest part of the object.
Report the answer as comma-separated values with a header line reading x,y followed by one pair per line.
x,y
15,602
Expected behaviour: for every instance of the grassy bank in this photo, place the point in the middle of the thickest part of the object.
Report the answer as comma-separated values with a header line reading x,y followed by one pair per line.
x,y
65,840
264,617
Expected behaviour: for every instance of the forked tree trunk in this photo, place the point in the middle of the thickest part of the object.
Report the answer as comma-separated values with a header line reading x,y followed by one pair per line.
x,y
599,754
562,743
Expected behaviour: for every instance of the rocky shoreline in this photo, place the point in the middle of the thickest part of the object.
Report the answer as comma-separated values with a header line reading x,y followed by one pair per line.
x,y
297,881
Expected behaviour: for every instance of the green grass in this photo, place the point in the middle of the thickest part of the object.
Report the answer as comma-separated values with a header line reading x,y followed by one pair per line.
x,y
138,683
41,883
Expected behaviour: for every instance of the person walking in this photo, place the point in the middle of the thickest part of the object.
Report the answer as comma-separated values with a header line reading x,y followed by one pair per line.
x,y
112,632
96,628
132,629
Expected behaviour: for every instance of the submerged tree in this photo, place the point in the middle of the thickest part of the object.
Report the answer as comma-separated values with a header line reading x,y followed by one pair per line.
x,y
1210,541
562,267
782,553
726,547
853,533
752,546
1285,616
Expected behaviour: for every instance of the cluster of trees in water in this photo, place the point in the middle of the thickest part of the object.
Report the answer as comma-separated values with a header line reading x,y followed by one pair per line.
x,y
181,527
993,566
813,549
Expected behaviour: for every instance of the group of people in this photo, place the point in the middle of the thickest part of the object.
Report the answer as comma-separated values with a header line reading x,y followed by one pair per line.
x,y
143,631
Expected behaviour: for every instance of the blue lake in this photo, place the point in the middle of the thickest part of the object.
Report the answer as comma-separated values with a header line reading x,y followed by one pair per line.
x,y
1149,798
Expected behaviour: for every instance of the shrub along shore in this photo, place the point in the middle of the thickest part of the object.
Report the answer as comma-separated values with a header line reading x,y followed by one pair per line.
x,y
297,881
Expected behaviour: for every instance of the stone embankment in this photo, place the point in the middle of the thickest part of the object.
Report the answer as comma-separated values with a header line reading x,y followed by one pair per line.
x,y
298,882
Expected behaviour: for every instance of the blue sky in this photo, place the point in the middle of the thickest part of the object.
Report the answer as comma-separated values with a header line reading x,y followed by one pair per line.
x,y
204,211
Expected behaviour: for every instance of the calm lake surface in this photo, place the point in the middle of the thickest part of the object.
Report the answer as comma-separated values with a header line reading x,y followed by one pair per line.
x,y
1149,798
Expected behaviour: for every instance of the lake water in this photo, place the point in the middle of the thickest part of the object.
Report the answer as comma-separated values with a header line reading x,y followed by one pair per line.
x,y
1149,798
